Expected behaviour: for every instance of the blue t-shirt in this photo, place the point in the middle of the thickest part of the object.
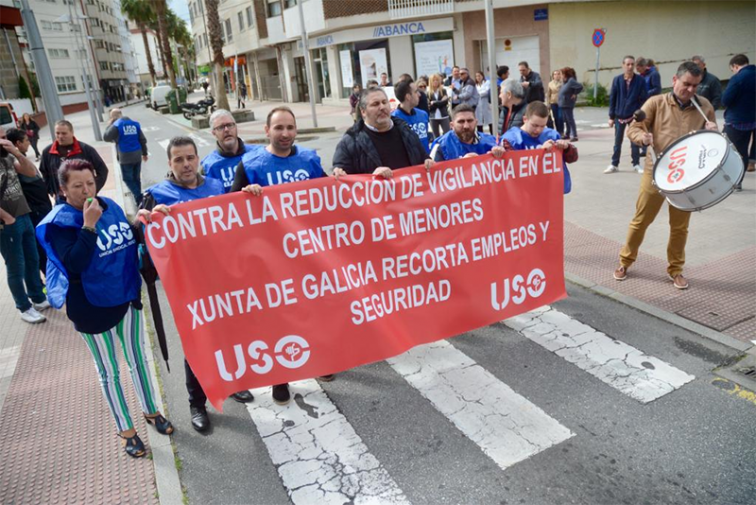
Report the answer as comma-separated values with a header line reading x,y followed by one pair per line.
x,y
223,168
267,169
519,140
418,121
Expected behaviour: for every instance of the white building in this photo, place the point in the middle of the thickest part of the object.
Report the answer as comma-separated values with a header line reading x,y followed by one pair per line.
x,y
140,55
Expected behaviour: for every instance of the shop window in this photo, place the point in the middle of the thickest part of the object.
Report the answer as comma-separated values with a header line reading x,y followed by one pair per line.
x,y
433,53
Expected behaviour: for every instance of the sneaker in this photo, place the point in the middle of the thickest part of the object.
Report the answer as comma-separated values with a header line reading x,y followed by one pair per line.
x,y
679,281
620,274
638,169
281,394
611,169
41,306
32,316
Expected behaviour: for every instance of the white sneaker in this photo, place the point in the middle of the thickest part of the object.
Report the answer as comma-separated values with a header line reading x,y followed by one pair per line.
x,y
32,316
638,169
611,169
41,306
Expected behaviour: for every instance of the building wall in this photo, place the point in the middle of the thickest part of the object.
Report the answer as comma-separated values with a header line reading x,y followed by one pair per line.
x,y
508,23
668,32
9,79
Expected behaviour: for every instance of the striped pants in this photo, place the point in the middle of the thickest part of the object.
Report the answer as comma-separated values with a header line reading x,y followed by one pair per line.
x,y
103,348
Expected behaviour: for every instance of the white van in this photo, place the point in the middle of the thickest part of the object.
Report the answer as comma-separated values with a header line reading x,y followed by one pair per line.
x,y
8,118
158,95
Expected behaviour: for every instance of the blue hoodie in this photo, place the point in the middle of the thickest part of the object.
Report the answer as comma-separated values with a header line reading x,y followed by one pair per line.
x,y
740,97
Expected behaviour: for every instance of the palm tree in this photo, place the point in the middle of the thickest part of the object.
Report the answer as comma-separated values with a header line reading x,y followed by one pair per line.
x,y
214,29
160,10
141,13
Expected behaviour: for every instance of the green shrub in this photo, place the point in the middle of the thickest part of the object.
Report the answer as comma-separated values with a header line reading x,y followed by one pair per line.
x,y
602,96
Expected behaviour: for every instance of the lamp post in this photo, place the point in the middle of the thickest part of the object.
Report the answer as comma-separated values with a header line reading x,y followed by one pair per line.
x,y
308,63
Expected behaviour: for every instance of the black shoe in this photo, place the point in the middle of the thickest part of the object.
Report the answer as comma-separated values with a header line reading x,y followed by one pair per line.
x,y
162,424
200,421
327,378
281,394
133,446
738,187
243,396
574,139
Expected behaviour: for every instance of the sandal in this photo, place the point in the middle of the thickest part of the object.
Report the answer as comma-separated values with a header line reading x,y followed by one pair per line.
x,y
133,446
161,424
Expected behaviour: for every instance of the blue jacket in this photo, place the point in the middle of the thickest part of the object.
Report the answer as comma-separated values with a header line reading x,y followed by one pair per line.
x,y
217,165
266,169
418,121
168,193
740,97
653,81
520,140
449,147
623,101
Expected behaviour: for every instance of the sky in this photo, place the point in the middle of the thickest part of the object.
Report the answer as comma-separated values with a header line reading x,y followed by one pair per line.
x,y
181,7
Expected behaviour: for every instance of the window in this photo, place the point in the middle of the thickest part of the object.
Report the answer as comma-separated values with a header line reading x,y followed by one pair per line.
x,y
291,3
249,17
274,8
229,32
223,33
46,25
58,53
191,13
58,27
104,65
204,39
76,28
240,16
65,83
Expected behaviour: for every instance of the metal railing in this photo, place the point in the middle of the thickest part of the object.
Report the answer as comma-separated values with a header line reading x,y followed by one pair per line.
x,y
413,8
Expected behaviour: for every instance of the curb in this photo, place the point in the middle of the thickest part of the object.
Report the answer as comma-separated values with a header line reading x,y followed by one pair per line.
x,y
658,313
163,458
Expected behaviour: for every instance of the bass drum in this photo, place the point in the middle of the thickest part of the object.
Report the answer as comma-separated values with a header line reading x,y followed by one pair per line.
x,y
698,170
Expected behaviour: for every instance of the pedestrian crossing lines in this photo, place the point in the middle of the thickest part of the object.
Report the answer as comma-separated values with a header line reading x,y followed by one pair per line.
x,y
321,458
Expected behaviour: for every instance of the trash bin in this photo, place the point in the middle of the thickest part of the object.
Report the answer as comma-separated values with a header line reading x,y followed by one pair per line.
x,y
173,105
182,94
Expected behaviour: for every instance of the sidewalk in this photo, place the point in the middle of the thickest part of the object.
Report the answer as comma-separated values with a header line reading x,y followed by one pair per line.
x,y
58,438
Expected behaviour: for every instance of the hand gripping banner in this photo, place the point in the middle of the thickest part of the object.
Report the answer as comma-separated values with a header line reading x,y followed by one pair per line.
x,y
320,276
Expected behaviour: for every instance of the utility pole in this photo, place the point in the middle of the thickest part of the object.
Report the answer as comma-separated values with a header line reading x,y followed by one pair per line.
x,y
308,63
47,85
492,68
94,116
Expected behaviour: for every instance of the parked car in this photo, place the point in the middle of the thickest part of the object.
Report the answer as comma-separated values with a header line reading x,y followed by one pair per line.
x,y
8,117
159,94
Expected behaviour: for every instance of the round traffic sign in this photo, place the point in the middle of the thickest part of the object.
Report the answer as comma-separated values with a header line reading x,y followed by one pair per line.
x,y
598,37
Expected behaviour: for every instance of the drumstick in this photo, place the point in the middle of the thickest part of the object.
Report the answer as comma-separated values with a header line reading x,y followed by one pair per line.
x,y
639,116
693,99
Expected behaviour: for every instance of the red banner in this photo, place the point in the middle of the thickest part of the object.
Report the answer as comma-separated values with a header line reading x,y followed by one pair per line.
x,y
320,276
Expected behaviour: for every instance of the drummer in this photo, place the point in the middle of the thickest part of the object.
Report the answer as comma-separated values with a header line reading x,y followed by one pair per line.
x,y
668,117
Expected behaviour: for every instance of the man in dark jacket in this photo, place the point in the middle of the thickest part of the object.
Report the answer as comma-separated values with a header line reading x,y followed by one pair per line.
x,y
627,95
710,87
378,143
131,148
647,70
740,101
532,83
67,147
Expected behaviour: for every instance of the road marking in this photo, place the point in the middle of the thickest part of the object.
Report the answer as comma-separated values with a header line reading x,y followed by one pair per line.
x,y
150,128
318,455
506,426
164,143
734,390
199,140
625,368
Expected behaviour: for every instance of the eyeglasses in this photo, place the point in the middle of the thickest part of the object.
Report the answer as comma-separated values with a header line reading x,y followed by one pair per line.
x,y
226,126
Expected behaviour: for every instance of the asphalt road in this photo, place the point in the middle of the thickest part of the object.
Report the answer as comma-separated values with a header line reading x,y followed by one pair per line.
x,y
513,419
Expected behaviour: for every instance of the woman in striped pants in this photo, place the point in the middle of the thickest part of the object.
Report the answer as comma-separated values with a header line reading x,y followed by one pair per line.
x,y
93,269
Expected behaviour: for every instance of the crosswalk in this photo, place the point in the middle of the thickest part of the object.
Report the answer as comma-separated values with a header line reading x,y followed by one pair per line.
x,y
321,458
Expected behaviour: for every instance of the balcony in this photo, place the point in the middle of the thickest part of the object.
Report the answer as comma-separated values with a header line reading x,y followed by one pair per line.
x,y
399,9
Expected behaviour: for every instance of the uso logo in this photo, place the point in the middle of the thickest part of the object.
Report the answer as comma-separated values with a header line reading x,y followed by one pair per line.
x,y
518,289
677,161
291,351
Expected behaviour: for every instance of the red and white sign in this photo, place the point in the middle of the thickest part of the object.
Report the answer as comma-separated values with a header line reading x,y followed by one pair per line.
x,y
321,276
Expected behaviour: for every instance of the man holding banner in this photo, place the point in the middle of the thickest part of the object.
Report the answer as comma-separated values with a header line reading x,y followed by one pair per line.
x,y
464,140
184,184
280,162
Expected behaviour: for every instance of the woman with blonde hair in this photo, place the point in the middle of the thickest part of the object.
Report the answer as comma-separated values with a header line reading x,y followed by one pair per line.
x,y
438,105
552,101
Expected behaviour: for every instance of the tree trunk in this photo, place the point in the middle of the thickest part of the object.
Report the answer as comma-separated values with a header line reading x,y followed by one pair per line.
x,y
213,27
160,9
150,65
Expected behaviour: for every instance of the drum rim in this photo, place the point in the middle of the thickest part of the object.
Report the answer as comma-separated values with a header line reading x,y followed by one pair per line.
x,y
702,181
707,206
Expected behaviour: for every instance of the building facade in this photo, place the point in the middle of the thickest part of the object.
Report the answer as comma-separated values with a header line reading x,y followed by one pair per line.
x,y
357,40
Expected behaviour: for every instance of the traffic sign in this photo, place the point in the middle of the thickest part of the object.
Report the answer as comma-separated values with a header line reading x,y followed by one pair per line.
x,y
599,34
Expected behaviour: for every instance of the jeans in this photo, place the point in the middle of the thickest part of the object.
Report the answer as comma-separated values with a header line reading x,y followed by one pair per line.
x,y
18,246
740,138
646,208
132,175
570,128
619,136
443,123
557,123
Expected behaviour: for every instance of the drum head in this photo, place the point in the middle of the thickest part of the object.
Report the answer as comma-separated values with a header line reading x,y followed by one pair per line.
x,y
690,160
